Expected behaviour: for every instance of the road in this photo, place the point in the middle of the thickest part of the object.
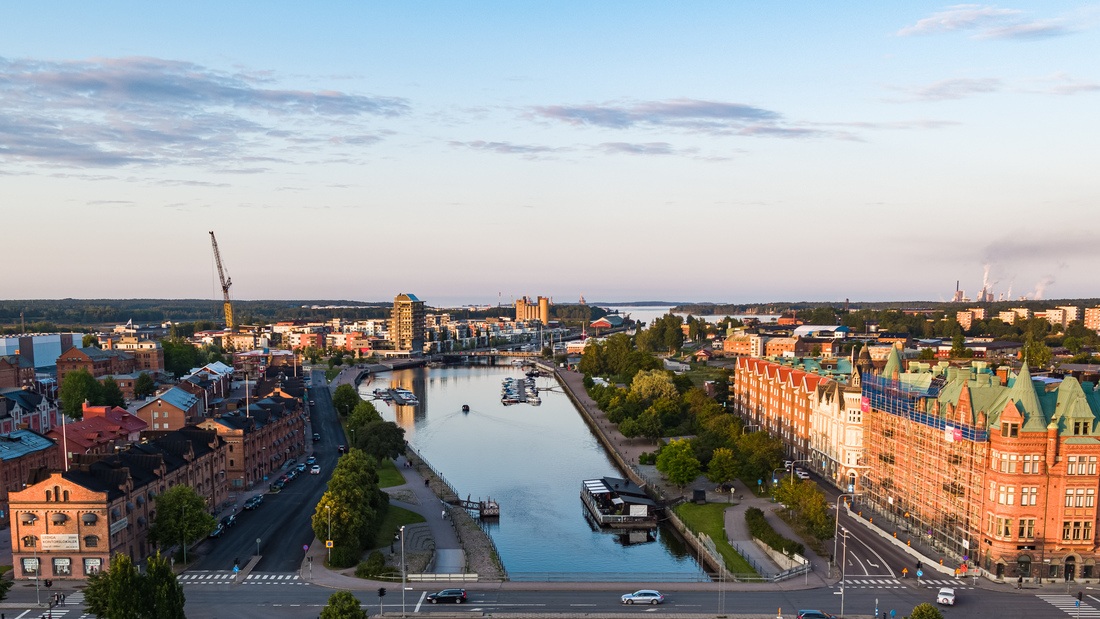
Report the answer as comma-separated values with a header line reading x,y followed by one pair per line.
x,y
282,522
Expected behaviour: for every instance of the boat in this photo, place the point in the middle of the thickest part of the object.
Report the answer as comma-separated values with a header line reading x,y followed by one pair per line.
x,y
465,408
618,503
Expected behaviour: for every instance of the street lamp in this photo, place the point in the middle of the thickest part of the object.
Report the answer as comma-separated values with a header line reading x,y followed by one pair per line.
x,y
836,527
402,570
843,560
747,426
794,462
183,528
37,571
328,542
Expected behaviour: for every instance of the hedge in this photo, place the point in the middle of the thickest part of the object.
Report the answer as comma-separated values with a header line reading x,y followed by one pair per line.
x,y
761,530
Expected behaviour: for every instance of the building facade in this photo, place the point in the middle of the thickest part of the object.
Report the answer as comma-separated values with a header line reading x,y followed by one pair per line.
x,y
407,323
526,310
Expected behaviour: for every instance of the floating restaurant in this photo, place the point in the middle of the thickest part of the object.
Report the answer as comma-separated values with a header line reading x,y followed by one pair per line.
x,y
619,503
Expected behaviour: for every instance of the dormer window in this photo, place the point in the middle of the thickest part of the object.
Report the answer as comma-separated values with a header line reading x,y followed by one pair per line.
x,y
1010,430
1081,428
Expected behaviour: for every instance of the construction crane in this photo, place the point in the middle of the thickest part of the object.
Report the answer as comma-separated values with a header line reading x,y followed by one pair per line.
x,y
226,283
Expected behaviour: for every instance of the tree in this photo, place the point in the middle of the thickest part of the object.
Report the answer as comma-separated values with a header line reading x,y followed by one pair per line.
x,y
345,399
5,586
179,355
363,413
144,386
163,592
112,394
115,593
926,611
343,605
76,388
927,354
181,517
723,466
381,439
89,340
678,462
652,385
1036,353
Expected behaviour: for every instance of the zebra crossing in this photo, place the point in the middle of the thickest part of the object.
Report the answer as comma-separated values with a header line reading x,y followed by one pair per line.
x,y
1068,604
73,609
228,578
894,583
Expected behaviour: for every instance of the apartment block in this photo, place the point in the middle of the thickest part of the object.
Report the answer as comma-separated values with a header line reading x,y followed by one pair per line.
x,y
407,323
1092,318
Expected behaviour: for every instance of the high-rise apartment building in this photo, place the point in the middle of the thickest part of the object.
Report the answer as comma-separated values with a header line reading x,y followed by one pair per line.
x,y
407,323
1092,318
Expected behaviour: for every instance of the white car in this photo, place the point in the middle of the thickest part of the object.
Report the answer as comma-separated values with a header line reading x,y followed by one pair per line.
x,y
946,596
799,473
315,469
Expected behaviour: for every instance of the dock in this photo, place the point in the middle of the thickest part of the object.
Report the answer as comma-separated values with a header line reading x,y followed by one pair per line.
x,y
484,509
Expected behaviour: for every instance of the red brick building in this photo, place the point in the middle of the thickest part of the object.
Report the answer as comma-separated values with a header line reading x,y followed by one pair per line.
x,y
171,410
21,453
99,363
776,398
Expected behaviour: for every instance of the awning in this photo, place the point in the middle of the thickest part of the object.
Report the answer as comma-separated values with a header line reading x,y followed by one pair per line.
x,y
58,518
89,518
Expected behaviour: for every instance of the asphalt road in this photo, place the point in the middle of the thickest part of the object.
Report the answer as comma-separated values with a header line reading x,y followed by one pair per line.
x,y
282,523
271,602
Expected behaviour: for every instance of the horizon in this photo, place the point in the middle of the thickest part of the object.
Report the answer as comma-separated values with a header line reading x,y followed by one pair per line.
x,y
714,150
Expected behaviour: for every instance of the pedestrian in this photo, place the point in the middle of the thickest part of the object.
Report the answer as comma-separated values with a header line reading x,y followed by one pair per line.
x,y
1020,582
444,515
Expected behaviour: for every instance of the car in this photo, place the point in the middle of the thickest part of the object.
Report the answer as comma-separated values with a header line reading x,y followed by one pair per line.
x,y
316,437
301,467
799,473
292,475
643,596
229,521
315,469
946,596
458,596
217,532
341,449
787,464
814,614
254,502
291,462
278,485
311,460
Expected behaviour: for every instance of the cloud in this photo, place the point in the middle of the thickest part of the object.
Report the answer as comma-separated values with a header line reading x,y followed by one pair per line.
x,y
504,148
1063,84
652,148
986,22
110,112
957,88
691,115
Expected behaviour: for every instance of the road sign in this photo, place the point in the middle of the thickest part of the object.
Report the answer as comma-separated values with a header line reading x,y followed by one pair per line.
x,y
920,573
893,613
328,543
236,568
305,547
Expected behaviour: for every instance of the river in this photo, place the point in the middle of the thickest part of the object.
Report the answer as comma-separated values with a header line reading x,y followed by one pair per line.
x,y
649,313
531,460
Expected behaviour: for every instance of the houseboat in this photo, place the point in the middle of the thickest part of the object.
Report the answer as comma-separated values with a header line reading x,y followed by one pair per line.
x,y
618,503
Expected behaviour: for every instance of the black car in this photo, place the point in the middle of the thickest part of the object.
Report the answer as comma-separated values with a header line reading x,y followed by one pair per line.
x,y
217,532
229,521
316,437
458,596
254,502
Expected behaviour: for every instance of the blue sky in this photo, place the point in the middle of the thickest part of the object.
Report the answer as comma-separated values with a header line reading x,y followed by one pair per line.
x,y
472,151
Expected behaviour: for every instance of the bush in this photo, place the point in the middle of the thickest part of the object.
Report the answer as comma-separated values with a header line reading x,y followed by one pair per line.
x,y
647,457
588,382
373,566
761,530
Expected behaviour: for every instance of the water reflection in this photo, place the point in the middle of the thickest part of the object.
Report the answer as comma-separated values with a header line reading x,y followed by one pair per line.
x,y
531,460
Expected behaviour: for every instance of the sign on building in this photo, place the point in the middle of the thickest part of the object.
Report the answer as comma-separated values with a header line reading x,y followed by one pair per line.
x,y
60,541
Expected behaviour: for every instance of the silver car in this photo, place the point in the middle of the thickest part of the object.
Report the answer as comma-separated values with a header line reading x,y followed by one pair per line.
x,y
644,596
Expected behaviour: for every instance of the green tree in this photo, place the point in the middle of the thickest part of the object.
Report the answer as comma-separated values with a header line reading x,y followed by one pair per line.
x,y
678,462
89,340
116,593
363,413
1036,353
5,587
181,517
112,394
925,611
163,597
927,354
652,385
343,605
345,399
381,439
76,388
723,466
144,386
1072,344
179,356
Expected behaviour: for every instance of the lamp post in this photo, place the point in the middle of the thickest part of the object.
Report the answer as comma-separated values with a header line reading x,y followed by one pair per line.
x,y
402,570
328,542
183,535
836,527
745,429
843,570
794,462
37,571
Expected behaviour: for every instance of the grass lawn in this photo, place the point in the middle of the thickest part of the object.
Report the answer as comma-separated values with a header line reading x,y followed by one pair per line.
x,y
701,373
388,475
331,373
396,517
709,519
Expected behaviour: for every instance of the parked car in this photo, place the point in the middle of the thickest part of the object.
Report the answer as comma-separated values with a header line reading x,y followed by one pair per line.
x,y
315,469
316,437
814,614
254,502
946,596
301,467
311,460
292,475
229,521
217,532
458,596
799,473
643,596
278,485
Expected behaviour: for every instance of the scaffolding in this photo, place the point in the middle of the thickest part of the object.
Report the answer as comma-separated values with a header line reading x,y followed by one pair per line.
x,y
923,468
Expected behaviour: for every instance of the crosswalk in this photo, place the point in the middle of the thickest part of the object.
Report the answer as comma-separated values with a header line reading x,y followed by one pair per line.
x,y
894,583
227,578
1068,604
73,609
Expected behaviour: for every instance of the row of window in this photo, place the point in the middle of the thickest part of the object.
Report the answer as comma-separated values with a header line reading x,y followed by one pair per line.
x,y
1072,530
1029,464
1029,495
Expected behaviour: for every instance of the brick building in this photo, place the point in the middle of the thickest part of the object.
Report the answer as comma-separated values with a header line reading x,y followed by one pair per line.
x,y
16,372
68,525
171,410
776,398
21,453
148,354
1003,474
99,363
102,430
20,408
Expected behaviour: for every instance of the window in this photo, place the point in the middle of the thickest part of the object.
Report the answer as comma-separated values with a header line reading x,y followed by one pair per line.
x,y
1010,430
1004,527
1011,495
1081,428
1029,495
1090,497
1002,495
91,541
1071,465
1027,528
1031,465
1080,498
29,541
1069,497
1092,465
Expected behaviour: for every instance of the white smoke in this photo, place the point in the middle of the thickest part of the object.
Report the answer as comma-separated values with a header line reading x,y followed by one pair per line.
x,y
1042,286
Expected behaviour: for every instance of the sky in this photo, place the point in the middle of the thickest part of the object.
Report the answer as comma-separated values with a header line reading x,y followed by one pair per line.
x,y
481,151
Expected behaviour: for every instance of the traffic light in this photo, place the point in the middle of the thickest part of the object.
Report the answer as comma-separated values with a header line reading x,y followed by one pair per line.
x,y
1080,596
381,592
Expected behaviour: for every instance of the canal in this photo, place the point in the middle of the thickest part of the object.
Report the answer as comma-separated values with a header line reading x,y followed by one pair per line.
x,y
531,460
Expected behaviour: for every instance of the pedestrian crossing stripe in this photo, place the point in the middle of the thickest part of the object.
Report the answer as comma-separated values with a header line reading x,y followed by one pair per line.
x,y
224,578
1068,604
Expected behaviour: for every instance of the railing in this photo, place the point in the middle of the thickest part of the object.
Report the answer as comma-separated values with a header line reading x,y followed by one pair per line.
x,y
608,577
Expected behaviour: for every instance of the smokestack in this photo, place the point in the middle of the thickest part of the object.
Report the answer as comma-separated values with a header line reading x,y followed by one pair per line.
x,y
956,285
